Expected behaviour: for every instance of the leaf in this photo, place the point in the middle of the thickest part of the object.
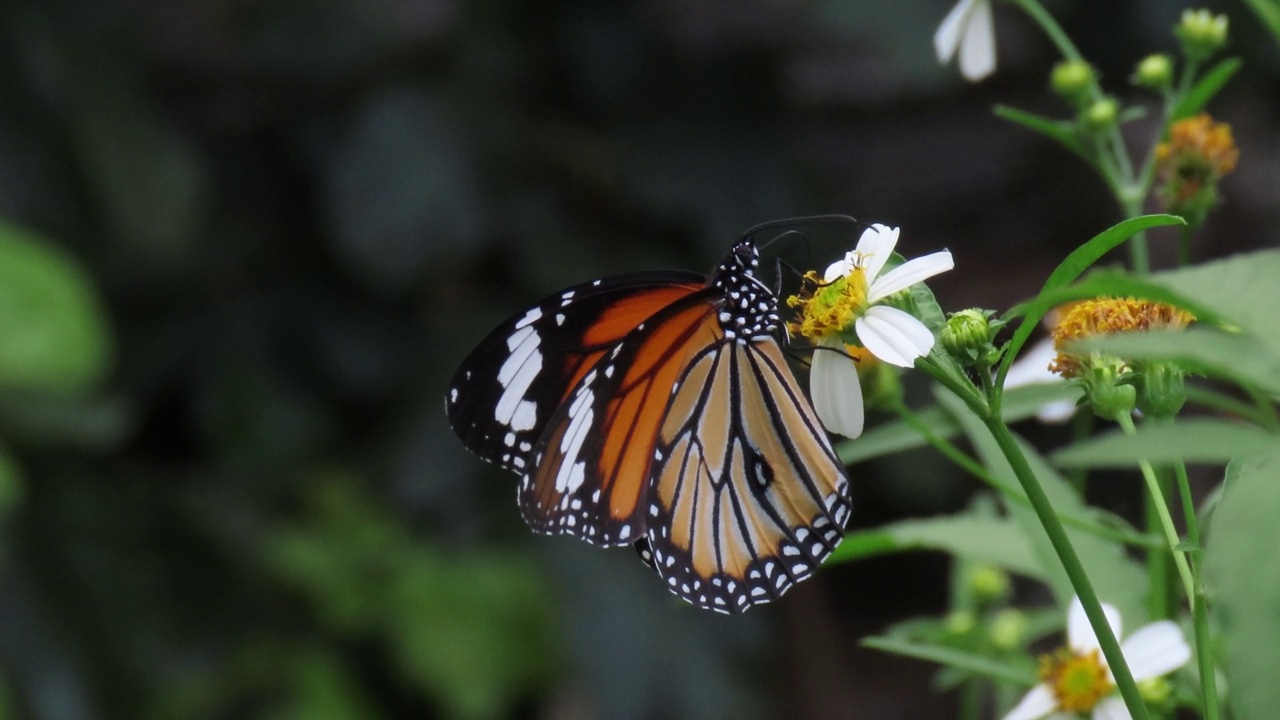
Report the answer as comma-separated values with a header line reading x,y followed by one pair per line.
x,y
988,540
1207,87
1269,12
1200,350
896,436
1060,132
1116,578
53,333
952,657
1187,441
1080,259
1243,585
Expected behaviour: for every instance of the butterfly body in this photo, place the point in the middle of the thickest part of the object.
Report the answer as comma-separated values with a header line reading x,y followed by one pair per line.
x,y
657,409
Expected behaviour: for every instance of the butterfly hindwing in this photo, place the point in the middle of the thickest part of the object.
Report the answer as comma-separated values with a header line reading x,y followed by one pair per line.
x,y
748,495
506,390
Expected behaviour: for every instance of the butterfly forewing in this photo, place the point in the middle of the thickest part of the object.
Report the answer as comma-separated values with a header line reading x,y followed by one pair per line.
x,y
505,392
591,471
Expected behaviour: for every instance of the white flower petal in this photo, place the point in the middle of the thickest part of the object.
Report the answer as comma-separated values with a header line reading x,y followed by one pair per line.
x,y
1156,649
1033,367
876,247
839,268
1034,705
893,335
1111,708
1080,635
978,46
947,37
836,392
909,273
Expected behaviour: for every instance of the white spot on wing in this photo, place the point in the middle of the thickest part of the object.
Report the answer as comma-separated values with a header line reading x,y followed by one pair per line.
x,y
529,318
517,373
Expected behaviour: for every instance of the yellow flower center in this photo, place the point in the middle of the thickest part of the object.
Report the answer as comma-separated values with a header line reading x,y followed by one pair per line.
x,y
828,309
1104,316
1201,143
1077,680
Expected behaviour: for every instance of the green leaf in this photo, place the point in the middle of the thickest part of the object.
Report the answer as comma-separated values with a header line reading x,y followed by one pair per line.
x,y
988,540
951,657
1269,12
53,333
896,436
1116,578
1080,259
1200,350
1187,441
1207,87
1243,584
1059,131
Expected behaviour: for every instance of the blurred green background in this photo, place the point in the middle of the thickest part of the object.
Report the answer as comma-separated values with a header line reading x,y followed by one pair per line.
x,y
246,243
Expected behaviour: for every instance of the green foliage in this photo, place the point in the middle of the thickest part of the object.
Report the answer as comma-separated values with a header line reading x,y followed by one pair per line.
x,y
1268,12
1206,88
1195,440
471,628
53,333
1243,585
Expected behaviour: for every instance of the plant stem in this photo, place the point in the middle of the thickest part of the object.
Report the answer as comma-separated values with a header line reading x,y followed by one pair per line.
x,y
1071,563
1165,520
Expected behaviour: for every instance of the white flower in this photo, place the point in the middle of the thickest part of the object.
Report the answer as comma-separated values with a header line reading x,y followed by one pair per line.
x,y
888,333
968,28
1154,650
1033,369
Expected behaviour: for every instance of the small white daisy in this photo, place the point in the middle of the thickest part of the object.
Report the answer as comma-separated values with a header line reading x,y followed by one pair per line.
x,y
1077,679
850,298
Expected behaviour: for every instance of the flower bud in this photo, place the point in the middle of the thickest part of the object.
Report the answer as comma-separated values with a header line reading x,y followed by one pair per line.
x,y
1007,630
1101,114
1155,691
967,337
1202,34
1072,79
988,582
1162,389
1155,72
1109,390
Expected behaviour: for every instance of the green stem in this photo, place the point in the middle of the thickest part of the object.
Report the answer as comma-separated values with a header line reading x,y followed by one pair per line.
x,y
1184,245
1050,28
1157,562
974,468
1138,253
1204,655
1071,563
1162,511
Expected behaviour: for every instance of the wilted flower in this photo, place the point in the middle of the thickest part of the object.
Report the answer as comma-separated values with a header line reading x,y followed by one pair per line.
x,y
1198,153
846,315
969,28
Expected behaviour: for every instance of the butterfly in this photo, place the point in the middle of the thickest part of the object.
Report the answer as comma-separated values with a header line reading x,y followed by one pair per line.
x,y
657,409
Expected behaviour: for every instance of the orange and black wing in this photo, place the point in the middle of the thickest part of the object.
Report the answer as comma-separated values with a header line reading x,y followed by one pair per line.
x,y
592,469
748,495
506,391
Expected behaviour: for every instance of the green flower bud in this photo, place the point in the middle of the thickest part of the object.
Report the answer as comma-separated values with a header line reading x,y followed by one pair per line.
x,y
967,337
1155,72
1101,114
1072,79
1202,34
1109,389
988,582
1007,630
1162,390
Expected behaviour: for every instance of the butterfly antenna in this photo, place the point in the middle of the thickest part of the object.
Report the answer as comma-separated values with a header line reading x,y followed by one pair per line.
x,y
805,221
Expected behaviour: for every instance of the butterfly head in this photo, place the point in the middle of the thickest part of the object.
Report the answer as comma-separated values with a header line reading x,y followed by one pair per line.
x,y
749,309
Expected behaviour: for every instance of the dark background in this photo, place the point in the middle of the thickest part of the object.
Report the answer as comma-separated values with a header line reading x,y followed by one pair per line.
x,y
302,214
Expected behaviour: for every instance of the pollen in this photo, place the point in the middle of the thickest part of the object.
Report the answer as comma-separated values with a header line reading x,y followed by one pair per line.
x,y
828,308
1202,141
1077,680
1105,316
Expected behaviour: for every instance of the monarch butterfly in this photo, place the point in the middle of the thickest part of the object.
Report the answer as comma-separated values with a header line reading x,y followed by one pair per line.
x,y
657,409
